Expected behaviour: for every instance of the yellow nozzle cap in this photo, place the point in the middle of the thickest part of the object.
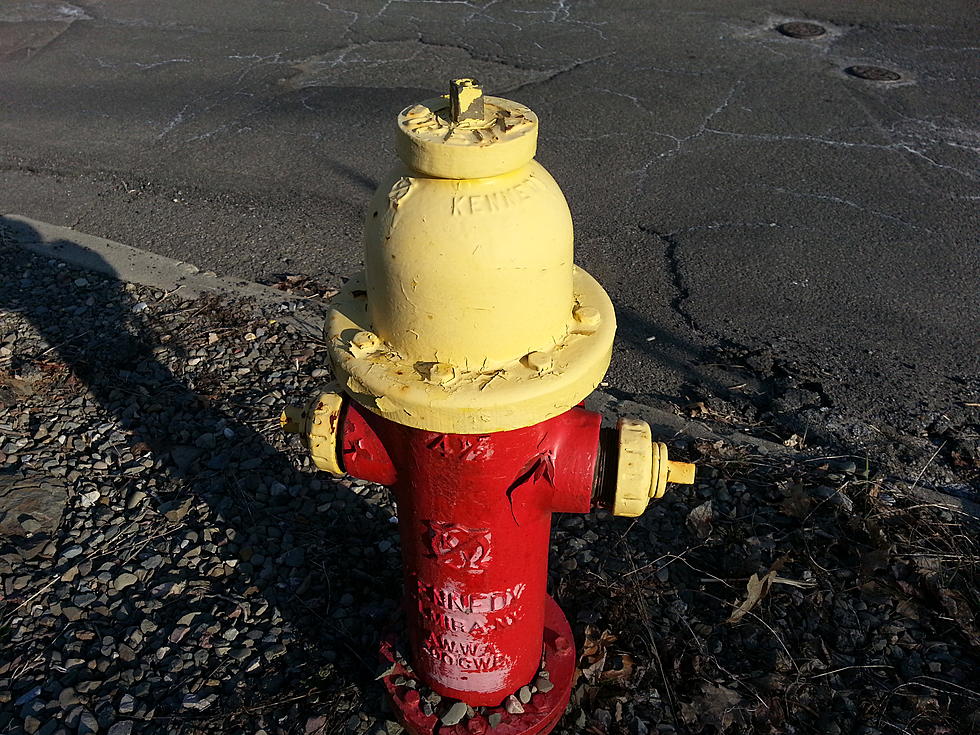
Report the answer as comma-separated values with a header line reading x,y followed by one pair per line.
x,y
634,469
318,425
644,469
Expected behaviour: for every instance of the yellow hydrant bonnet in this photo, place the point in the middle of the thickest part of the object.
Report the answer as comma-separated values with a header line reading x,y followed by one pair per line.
x,y
471,316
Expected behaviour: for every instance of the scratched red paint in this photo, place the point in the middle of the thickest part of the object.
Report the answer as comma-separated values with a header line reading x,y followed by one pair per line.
x,y
475,517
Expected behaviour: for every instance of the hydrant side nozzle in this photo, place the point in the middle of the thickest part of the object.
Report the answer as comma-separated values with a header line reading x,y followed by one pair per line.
x,y
318,425
666,470
643,469
634,468
681,473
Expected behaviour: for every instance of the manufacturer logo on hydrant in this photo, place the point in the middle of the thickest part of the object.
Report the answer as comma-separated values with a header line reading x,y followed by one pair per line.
x,y
456,624
460,547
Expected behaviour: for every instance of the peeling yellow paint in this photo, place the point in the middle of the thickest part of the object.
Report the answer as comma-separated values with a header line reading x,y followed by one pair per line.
x,y
476,269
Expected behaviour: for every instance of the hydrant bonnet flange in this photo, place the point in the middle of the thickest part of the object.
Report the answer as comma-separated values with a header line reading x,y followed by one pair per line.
x,y
472,399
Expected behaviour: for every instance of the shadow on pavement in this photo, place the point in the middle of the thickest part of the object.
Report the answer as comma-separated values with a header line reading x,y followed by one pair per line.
x,y
236,481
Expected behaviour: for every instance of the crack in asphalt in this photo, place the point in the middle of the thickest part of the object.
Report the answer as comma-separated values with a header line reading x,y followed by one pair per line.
x,y
683,293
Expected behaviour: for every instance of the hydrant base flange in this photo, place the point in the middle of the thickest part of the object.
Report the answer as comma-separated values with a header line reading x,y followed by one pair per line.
x,y
541,714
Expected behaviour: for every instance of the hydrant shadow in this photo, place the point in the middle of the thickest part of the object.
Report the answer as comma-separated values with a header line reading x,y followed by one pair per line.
x,y
292,544
722,377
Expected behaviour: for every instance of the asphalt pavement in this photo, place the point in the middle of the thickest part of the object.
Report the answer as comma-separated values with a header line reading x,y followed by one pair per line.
x,y
785,216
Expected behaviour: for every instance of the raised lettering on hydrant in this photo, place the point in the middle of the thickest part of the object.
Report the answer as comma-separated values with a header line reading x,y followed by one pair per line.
x,y
461,356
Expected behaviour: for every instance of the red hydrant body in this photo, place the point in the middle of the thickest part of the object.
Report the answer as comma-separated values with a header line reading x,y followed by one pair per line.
x,y
475,520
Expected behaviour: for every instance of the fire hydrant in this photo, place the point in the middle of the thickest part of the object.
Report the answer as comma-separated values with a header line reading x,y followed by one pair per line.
x,y
461,356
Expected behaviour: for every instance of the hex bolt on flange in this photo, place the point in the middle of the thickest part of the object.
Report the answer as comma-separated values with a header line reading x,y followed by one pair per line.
x,y
873,73
801,29
460,373
587,317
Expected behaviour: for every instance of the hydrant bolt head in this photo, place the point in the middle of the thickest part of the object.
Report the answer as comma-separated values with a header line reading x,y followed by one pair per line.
x,y
587,318
539,361
465,100
364,343
440,373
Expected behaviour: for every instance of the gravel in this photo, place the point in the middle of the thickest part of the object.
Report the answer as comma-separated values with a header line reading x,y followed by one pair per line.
x,y
174,565
171,564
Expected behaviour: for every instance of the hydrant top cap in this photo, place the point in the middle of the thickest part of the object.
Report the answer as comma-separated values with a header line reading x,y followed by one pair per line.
x,y
466,135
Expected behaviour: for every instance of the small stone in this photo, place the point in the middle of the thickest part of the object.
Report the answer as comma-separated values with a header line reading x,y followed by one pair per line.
x,y
454,714
315,724
135,499
122,728
184,456
524,694
294,557
206,441
494,720
67,698
87,724
543,685
197,702
127,704
513,705
28,696
124,580
176,510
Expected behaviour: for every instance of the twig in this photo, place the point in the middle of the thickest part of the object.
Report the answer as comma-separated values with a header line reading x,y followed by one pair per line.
x,y
926,466
848,668
651,642
62,344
